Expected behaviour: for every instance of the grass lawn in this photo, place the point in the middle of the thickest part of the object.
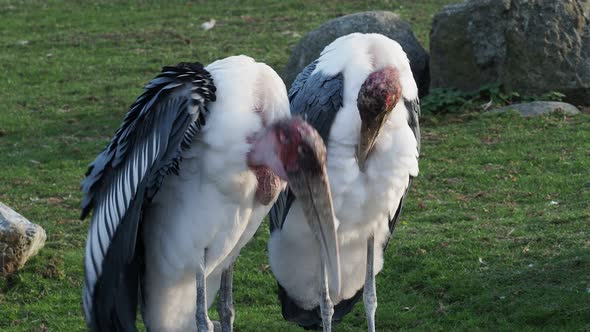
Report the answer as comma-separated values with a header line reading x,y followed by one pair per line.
x,y
480,245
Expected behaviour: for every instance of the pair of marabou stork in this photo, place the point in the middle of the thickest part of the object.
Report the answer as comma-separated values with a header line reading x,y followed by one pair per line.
x,y
203,155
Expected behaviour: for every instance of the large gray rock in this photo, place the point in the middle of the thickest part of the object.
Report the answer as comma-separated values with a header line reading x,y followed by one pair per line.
x,y
530,46
19,240
539,107
385,23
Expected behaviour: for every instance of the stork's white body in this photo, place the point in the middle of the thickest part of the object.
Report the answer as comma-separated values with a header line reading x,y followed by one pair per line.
x,y
363,201
206,214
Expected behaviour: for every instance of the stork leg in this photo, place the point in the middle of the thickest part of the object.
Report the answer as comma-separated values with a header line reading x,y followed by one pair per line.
x,y
326,305
203,322
370,292
225,303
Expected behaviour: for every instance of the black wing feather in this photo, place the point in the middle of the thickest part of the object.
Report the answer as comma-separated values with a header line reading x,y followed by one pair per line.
x,y
125,177
316,98
413,107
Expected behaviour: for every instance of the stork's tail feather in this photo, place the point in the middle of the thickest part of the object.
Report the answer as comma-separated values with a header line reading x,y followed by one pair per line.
x,y
312,319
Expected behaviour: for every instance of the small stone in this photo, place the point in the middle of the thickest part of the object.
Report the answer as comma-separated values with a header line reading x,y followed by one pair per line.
x,y
540,107
209,24
386,23
19,240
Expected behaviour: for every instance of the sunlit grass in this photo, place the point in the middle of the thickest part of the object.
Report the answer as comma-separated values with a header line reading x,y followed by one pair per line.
x,y
480,245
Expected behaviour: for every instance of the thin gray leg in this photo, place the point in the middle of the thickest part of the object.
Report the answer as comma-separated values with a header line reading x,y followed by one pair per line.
x,y
326,305
370,292
225,303
203,322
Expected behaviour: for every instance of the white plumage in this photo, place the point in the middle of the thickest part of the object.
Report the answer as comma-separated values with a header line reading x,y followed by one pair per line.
x,y
364,201
210,204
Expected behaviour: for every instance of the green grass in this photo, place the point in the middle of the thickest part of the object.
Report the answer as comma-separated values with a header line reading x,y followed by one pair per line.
x,y
479,246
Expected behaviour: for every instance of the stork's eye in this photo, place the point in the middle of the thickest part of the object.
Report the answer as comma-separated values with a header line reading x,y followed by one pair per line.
x,y
283,138
301,151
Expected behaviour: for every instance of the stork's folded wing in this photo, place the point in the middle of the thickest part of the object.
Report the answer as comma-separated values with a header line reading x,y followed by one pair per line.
x,y
123,179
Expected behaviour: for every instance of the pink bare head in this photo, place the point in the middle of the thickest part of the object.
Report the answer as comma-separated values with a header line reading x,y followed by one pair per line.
x,y
288,146
377,97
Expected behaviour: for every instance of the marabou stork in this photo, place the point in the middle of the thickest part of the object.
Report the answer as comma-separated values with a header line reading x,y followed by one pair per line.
x,y
362,98
225,134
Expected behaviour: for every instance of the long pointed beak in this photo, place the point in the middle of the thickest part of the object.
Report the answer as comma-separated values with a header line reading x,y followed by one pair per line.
x,y
313,191
366,144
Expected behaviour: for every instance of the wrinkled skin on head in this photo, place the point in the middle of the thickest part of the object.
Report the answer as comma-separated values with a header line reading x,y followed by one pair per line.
x,y
377,97
269,184
303,148
287,147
